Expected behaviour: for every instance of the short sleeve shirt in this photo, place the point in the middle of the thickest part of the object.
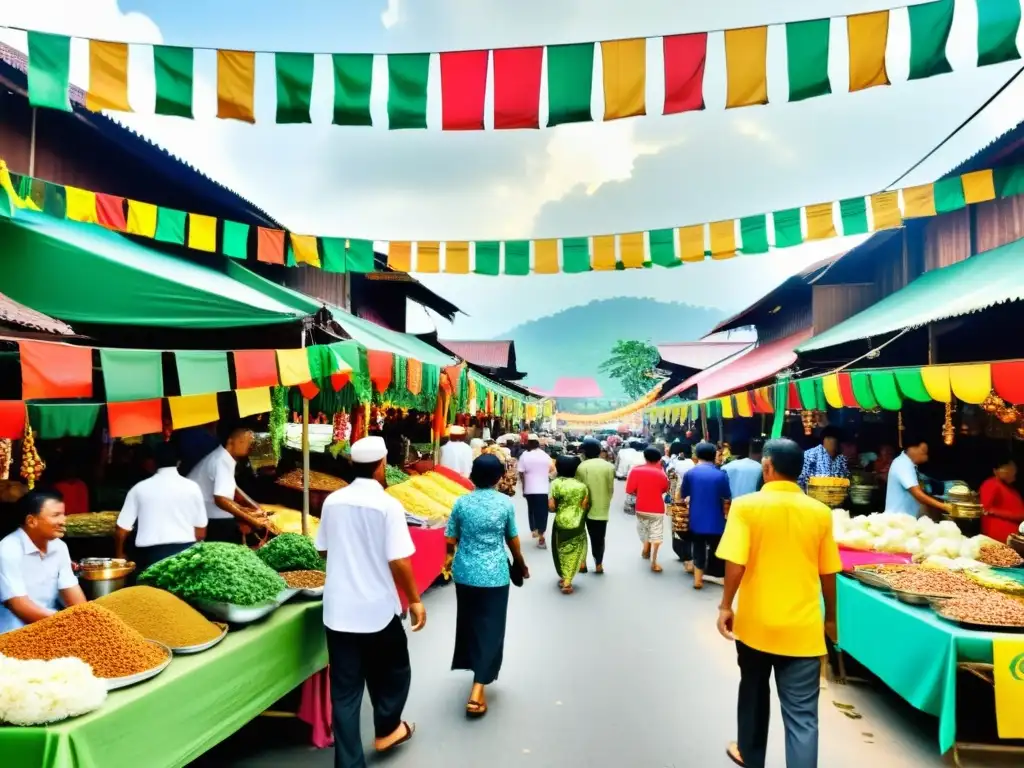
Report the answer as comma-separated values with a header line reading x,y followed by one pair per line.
x,y
902,477
744,476
215,476
599,477
482,521
650,484
27,572
707,488
535,467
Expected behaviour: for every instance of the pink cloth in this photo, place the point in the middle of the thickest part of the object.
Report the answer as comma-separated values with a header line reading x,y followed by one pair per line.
x,y
851,558
315,708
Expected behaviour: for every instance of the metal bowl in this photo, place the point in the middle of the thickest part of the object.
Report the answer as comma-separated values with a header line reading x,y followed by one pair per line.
x,y
313,592
113,683
871,579
104,573
918,598
236,614
187,649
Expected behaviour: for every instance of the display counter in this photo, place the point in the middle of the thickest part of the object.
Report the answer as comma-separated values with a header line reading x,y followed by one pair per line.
x,y
197,702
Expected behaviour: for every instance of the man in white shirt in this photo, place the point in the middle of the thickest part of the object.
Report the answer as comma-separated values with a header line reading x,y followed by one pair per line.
x,y
456,454
36,578
630,456
535,471
903,489
364,536
168,510
215,476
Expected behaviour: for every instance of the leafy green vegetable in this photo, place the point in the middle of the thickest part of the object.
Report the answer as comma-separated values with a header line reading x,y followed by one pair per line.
x,y
291,552
394,476
217,572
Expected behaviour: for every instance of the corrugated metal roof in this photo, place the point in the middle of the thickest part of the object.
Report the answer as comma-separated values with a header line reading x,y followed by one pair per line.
x,y
489,354
13,313
971,285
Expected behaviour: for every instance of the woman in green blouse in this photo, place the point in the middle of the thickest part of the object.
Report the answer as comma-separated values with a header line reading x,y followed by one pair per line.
x,y
569,501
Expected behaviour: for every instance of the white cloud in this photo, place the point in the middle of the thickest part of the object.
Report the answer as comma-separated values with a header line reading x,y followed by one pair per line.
x,y
391,15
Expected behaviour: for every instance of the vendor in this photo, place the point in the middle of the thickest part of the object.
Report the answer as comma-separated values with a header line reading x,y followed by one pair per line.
x,y
1004,508
456,455
168,510
903,489
824,460
36,577
215,475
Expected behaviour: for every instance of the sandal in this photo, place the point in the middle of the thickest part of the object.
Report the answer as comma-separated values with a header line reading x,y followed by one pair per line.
x,y
599,569
656,568
475,709
583,569
409,731
733,753
567,589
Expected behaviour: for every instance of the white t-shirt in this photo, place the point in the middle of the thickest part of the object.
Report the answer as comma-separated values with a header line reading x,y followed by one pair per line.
x,y
535,466
902,477
458,457
27,572
167,508
215,476
362,529
623,463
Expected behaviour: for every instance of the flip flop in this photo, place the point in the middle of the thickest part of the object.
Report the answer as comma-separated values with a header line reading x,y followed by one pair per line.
x,y
733,753
409,731
474,709
656,568
600,569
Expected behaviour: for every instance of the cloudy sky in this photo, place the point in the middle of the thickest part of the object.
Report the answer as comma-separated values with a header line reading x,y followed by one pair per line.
x,y
628,175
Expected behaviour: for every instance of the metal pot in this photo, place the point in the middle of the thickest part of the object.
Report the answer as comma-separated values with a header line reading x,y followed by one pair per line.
x,y
101,576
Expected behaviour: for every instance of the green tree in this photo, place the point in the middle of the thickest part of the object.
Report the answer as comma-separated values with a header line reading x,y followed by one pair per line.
x,y
632,363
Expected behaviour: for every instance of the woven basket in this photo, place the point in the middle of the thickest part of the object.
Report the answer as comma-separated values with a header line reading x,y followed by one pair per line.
x,y
833,496
680,518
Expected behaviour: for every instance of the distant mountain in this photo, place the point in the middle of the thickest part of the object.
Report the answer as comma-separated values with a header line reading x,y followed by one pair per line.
x,y
575,341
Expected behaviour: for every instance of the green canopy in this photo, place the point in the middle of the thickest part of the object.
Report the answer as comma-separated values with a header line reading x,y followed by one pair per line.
x,y
381,339
82,273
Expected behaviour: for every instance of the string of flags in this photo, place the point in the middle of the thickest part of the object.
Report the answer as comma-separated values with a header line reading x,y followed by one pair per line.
x,y
517,77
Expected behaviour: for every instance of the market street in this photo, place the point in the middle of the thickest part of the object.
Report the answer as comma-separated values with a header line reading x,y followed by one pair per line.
x,y
628,671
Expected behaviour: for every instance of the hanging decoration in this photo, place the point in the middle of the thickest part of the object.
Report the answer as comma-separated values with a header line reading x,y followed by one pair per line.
x,y
670,247
615,415
519,78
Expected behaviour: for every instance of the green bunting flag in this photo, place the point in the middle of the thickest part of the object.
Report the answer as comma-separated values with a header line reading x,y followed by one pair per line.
x,y
170,226
353,79
787,228
930,24
235,242
949,195
754,231
662,245
998,21
570,80
294,73
854,215
807,58
488,258
408,75
517,257
132,374
173,69
575,255
49,70
202,371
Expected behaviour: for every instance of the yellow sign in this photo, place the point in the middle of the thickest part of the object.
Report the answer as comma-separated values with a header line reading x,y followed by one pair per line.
x,y
1008,668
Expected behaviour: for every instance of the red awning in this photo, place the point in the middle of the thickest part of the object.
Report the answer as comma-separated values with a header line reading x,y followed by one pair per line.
x,y
758,364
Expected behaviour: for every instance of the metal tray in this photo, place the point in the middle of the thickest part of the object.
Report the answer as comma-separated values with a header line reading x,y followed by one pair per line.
x,y
979,627
313,592
871,579
917,598
236,614
187,649
287,594
113,683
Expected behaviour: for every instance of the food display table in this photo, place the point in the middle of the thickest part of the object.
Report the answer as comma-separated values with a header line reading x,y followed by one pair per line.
x,y
911,649
851,558
428,560
197,702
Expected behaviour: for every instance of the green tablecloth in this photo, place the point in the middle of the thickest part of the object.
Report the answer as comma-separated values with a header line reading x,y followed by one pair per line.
x,y
910,648
197,702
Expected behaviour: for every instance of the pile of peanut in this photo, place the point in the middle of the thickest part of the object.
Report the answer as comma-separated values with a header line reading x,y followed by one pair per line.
x,y
304,579
999,555
933,581
985,608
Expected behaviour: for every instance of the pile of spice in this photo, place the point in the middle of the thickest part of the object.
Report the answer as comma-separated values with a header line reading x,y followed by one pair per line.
x,y
999,555
88,632
932,581
159,615
989,608
291,552
216,572
318,481
305,579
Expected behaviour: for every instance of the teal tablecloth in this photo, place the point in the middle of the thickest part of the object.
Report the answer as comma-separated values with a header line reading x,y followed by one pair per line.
x,y
197,702
910,648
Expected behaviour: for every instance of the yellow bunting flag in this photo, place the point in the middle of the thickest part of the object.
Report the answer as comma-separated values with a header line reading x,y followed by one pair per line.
x,y
400,256
81,205
428,256
746,64
726,403
744,408
305,249
971,383
141,218
919,201
625,78
193,410
885,211
236,85
8,186
293,366
108,77
253,401
868,34
820,223
631,249
979,186
202,232
545,257
936,382
833,395
1008,673
456,258
723,239
691,243
604,253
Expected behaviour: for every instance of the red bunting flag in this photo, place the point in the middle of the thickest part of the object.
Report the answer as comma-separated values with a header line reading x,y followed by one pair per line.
x,y
270,245
1008,381
132,419
517,73
846,391
110,212
255,368
463,84
339,380
685,56
12,419
793,398
380,365
50,371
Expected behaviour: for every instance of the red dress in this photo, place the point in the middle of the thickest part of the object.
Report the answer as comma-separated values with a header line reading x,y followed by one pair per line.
x,y
1004,508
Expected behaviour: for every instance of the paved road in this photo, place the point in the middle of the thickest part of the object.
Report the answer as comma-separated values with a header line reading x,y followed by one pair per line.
x,y
628,672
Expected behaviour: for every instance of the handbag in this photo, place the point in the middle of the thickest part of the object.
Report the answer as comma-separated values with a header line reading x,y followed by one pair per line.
x,y
515,573
629,507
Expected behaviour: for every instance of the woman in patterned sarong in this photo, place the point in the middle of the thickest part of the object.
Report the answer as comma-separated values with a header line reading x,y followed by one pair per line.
x,y
569,501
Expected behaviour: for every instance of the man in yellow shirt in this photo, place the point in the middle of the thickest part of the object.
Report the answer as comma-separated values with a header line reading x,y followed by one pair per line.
x,y
781,558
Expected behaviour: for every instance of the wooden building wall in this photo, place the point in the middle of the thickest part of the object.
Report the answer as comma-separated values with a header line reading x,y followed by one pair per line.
x,y
831,304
